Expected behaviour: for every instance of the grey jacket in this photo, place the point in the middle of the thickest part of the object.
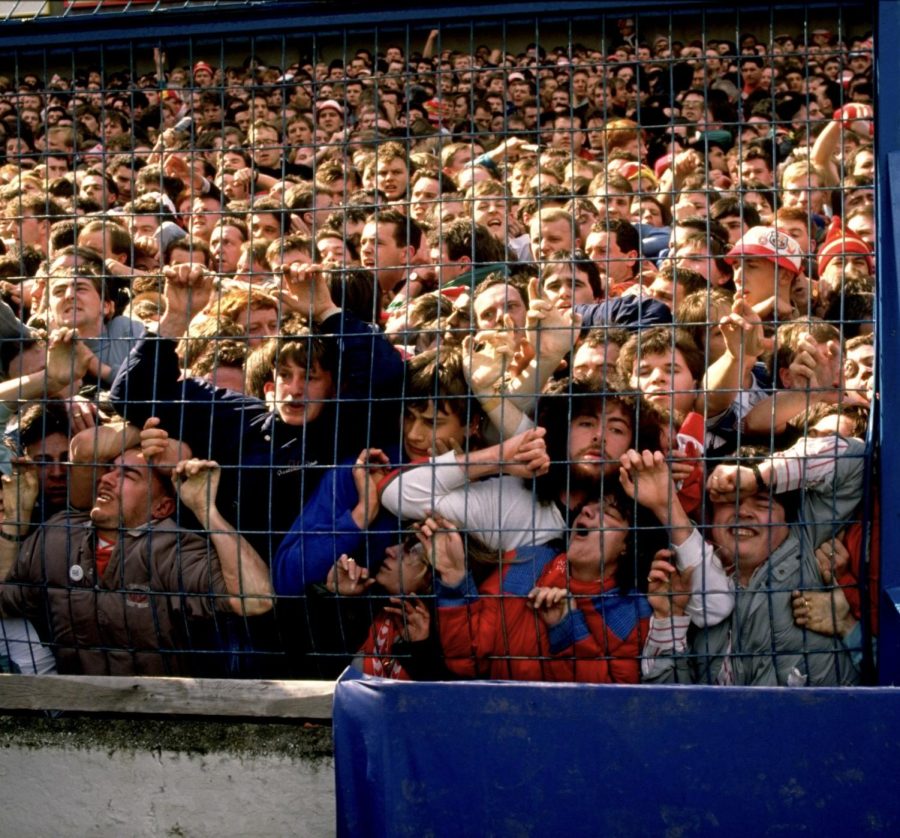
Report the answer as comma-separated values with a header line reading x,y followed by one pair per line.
x,y
760,642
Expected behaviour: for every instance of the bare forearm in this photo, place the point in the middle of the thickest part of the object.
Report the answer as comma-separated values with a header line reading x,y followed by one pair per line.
x,y
481,463
180,308
246,576
722,381
35,385
503,414
824,149
672,515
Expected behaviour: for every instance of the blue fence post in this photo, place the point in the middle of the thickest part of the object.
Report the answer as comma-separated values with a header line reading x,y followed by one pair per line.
x,y
887,117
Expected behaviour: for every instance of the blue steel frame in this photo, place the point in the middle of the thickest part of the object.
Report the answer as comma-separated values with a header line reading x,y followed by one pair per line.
x,y
887,198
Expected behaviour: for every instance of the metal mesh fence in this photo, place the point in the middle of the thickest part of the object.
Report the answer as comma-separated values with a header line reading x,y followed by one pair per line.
x,y
495,345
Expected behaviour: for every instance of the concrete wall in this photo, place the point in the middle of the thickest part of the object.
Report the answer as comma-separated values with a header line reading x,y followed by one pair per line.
x,y
115,777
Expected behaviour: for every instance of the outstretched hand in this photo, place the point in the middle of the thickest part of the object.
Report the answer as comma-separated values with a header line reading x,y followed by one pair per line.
x,y
645,476
67,359
20,492
551,331
445,548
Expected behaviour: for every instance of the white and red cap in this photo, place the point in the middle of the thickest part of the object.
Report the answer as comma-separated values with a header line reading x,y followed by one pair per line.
x,y
839,242
329,105
768,243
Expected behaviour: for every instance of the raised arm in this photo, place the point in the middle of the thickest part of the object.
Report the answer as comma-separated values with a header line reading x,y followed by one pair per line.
x,y
744,344
664,650
486,358
67,361
851,118
811,379
20,493
552,335
187,290
369,365
413,493
646,477
243,570
502,513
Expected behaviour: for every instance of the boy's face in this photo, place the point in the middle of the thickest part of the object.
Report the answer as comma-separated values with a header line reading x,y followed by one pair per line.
x,y
301,392
592,363
613,204
567,286
666,380
614,264
427,430
754,278
550,236
493,212
391,177
264,226
493,304
379,249
423,197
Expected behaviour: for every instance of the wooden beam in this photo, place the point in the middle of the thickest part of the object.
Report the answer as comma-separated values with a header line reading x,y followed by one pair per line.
x,y
163,696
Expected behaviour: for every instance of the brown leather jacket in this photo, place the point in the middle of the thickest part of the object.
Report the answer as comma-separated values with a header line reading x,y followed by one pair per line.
x,y
134,619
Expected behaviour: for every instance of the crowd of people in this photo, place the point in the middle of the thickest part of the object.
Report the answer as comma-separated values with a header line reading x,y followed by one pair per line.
x,y
553,364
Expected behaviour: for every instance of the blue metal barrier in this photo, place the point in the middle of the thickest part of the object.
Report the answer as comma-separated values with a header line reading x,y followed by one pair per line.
x,y
524,759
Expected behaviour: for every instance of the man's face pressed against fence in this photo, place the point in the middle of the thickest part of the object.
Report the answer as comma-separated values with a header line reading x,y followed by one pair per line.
x,y
598,440
747,533
129,495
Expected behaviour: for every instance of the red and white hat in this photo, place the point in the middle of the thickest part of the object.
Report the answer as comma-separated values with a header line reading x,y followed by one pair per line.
x,y
839,242
768,243
202,65
329,105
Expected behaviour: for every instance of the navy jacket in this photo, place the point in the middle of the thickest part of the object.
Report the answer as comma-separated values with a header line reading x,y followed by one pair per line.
x,y
269,468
